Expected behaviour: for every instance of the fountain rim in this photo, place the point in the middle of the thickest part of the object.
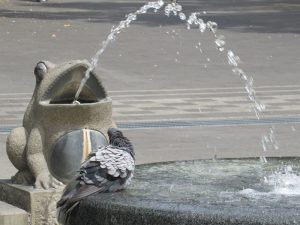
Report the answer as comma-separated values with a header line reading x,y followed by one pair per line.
x,y
125,207
217,159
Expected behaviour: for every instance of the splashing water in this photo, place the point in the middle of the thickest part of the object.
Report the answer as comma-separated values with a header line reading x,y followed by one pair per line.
x,y
283,182
269,141
175,9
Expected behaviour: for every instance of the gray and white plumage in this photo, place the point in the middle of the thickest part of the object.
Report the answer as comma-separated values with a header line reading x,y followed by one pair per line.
x,y
108,169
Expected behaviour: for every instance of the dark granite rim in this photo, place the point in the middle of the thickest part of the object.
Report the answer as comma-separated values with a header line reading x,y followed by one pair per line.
x,y
123,208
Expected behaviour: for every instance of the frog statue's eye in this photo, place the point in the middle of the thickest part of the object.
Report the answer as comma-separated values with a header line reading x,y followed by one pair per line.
x,y
40,70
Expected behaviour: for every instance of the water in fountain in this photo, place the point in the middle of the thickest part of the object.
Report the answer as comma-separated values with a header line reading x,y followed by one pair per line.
x,y
194,19
199,192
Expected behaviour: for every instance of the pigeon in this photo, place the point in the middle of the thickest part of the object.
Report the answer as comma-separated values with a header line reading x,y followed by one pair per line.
x,y
108,169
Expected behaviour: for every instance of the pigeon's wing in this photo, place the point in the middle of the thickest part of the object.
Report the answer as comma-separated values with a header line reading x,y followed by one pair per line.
x,y
107,170
116,161
84,191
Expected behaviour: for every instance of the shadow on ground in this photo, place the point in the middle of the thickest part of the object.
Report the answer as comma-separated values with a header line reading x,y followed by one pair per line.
x,y
264,16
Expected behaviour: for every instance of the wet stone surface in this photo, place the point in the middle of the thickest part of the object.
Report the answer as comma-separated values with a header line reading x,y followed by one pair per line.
x,y
243,191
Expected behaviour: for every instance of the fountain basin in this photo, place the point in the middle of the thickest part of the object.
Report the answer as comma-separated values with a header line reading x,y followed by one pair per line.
x,y
230,191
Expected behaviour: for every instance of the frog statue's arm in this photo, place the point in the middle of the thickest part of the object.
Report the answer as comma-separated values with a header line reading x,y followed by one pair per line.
x,y
16,151
29,159
37,163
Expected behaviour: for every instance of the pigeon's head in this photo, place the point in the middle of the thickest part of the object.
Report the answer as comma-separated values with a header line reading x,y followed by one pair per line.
x,y
116,138
114,132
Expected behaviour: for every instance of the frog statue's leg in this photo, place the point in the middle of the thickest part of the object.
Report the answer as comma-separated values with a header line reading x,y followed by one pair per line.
x,y
37,163
16,151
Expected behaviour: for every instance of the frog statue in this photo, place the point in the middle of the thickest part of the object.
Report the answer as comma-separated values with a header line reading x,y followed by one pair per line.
x,y
58,134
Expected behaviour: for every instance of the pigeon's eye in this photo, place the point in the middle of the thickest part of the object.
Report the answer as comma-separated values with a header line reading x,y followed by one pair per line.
x,y
40,70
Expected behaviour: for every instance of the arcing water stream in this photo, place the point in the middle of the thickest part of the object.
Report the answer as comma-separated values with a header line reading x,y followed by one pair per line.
x,y
195,20
111,37
192,20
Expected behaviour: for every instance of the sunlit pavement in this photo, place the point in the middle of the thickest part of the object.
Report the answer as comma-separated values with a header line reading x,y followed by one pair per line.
x,y
172,100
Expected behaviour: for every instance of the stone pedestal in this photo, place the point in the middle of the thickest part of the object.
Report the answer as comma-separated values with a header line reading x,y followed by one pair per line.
x,y
11,215
39,203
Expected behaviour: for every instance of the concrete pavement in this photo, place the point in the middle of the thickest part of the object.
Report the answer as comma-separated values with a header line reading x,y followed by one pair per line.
x,y
155,74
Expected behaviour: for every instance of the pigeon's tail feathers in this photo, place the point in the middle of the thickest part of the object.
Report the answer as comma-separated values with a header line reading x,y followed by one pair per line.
x,y
72,195
68,192
63,204
84,191
64,212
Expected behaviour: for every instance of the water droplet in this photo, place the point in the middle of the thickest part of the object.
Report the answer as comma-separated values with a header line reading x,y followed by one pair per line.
x,y
202,25
173,8
131,17
269,141
240,73
263,159
233,59
194,20
220,43
260,106
182,16
212,26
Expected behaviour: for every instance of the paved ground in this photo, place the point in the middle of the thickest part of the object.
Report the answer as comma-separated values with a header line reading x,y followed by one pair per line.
x,y
173,101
